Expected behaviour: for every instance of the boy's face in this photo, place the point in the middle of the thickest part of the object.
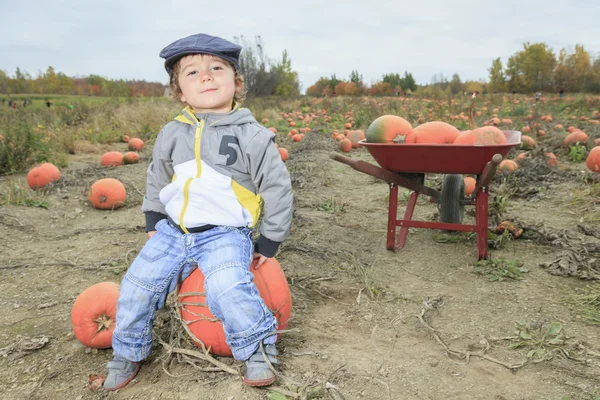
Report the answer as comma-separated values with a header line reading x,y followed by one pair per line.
x,y
207,83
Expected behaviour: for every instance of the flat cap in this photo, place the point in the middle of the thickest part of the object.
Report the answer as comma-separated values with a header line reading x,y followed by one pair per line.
x,y
201,43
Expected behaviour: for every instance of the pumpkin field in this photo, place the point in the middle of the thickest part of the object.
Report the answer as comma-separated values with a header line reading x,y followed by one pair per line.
x,y
428,321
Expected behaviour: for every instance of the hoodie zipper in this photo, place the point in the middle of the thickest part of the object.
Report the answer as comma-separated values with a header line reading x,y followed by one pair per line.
x,y
186,187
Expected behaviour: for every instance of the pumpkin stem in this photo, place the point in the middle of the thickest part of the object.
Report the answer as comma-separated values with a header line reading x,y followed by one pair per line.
x,y
103,322
102,199
399,139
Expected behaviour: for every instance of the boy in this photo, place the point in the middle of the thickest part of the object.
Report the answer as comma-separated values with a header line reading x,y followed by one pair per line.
x,y
212,168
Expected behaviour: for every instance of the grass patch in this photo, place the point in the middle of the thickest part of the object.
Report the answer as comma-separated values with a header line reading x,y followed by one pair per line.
x,y
501,269
17,195
586,304
544,341
333,205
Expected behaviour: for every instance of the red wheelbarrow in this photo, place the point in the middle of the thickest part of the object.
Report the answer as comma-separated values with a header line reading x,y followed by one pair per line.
x,y
406,165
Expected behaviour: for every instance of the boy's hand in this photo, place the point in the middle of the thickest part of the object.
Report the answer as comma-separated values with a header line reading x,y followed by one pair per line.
x,y
261,260
150,234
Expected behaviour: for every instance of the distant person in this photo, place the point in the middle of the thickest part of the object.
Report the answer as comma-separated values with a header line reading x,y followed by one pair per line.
x,y
48,104
538,96
202,217
10,102
561,93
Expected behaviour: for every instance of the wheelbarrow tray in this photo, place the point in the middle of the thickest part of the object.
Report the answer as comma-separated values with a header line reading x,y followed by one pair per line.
x,y
439,158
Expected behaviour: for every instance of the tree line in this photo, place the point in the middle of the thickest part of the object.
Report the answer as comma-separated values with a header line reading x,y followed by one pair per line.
x,y
533,68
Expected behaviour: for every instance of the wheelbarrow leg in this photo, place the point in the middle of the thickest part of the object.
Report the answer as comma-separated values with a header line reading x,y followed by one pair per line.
x,y
407,217
481,217
392,216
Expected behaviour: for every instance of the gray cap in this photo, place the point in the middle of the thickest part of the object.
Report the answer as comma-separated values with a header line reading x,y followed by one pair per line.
x,y
201,43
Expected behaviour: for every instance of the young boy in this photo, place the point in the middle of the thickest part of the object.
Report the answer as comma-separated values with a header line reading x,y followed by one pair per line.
x,y
212,169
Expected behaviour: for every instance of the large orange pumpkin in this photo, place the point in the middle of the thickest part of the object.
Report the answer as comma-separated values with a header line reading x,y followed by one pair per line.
x,y
93,315
43,175
112,159
484,135
593,159
271,284
390,129
283,153
136,144
576,136
107,194
470,184
435,132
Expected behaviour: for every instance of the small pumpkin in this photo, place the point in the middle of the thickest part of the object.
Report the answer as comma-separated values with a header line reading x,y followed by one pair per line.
x,y
271,284
112,159
107,194
551,160
527,142
131,157
43,175
345,145
283,153
470,184
354,137
593,159
93,315
136,144
508,166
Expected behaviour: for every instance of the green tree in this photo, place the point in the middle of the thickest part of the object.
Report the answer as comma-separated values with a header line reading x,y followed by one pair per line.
x,y
456,85
497,81
288,84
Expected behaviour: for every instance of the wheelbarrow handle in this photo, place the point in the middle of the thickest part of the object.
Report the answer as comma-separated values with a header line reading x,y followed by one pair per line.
x,y
488,173
386,175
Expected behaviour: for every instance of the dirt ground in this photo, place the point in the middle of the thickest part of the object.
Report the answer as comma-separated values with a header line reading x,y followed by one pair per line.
x,y
355,321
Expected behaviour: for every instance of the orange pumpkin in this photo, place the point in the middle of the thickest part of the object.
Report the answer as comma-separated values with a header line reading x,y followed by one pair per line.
x,y
593,159
354,137
131,157
107,194
551,160
136,144
112,159
93,315
390,129
508,166
526,129
527,142
576,136
597,142
43,175
345,145
297,137
271,284
435,132
469,185
484,135
283,153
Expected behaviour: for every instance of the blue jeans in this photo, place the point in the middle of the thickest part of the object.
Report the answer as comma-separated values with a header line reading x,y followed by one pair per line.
x,y
224,255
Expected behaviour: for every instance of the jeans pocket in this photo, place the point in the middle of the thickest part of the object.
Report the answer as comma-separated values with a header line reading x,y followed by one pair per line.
x,y
156,247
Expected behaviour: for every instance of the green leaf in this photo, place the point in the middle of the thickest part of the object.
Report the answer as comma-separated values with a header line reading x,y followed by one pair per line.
x,y
554,329
525,335
277,396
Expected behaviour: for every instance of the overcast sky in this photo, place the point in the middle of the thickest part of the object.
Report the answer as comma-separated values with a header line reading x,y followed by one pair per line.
x,y
122,38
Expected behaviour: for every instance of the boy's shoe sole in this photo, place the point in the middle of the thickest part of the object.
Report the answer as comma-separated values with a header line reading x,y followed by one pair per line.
x,y
125,382
260,382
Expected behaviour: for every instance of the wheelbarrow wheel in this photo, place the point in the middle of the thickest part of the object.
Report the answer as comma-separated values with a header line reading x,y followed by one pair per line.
x,y
453,191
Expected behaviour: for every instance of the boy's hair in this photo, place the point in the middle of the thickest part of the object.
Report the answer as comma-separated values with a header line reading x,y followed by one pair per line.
x,y
238,96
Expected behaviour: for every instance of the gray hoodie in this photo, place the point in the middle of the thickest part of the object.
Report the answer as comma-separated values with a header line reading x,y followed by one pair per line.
x,y
219,169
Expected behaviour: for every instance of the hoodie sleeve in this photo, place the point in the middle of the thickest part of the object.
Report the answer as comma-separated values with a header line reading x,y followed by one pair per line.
x,y
158,175
271,178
